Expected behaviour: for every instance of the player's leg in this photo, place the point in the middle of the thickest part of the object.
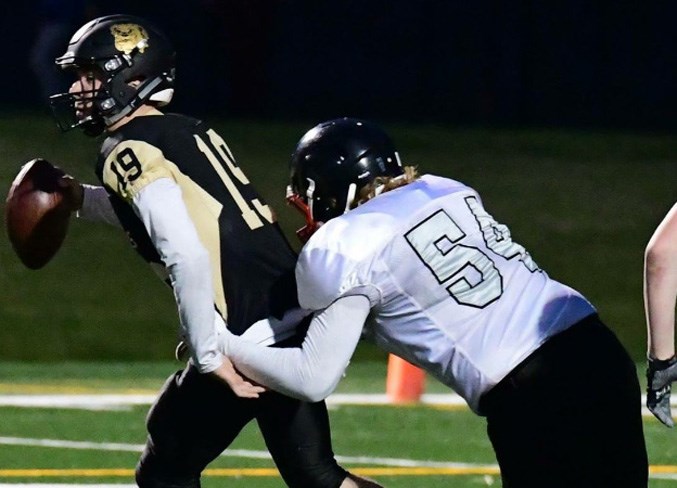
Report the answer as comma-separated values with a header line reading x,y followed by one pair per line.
x,y
298,437
192,421
613,413
570,415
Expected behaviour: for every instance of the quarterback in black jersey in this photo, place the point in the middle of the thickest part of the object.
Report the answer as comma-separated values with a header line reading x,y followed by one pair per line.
x,y
173,185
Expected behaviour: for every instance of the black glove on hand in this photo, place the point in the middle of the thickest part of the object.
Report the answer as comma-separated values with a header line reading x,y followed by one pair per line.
x,y
660,374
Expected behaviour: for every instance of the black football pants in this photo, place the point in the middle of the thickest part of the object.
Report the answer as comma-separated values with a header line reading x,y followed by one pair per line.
x,y
196,417
569,416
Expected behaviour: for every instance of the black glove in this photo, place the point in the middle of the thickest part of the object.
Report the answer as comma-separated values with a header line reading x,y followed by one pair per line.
x,y
660,374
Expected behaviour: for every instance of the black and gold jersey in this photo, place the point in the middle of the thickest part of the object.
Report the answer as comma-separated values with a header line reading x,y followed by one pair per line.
x,y
250,257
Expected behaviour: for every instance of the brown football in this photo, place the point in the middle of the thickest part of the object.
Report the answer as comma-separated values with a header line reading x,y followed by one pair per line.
x,y
35,215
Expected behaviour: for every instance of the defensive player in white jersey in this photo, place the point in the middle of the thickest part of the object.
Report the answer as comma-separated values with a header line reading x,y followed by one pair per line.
x,y
419,266
660,295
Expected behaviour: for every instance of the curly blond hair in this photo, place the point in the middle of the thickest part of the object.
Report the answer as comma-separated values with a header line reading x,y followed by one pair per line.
x,y
382,184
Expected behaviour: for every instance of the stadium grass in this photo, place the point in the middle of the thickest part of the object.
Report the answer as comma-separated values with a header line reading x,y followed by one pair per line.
x,y
583,203
418,432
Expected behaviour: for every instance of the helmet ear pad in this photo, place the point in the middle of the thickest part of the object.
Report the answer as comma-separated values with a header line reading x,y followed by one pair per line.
x,y
336,160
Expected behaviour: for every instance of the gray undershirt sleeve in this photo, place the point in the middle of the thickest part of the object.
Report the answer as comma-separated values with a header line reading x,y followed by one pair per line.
x,y
96,206
312,371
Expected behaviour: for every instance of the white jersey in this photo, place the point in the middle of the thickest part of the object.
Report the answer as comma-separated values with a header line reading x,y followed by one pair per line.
x,y
448,288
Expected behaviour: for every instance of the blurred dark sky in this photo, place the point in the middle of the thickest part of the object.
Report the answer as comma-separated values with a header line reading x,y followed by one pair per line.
x,y
576,63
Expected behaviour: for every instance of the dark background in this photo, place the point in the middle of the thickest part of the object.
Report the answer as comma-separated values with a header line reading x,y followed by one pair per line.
x,y
578,63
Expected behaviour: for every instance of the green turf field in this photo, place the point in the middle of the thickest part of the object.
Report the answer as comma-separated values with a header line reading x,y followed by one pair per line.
x,y
102,446
583,203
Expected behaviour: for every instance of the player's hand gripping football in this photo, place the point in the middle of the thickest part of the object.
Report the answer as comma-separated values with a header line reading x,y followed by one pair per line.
x,y
240,385
72,192
660,374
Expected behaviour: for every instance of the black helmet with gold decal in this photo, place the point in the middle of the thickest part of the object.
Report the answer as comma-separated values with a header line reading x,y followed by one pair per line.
x,y
134,61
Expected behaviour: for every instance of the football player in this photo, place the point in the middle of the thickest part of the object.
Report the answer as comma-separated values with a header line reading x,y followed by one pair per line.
x,y
418,265
174,186
660,295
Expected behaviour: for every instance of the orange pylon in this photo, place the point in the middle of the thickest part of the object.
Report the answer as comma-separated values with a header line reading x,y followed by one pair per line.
x,y
405,382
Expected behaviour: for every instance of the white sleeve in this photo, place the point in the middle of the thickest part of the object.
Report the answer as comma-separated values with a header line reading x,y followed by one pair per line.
x,y
96,206
271,330
312,371
161,208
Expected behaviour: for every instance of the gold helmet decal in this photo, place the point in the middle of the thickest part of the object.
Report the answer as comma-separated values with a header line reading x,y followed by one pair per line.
x,y
129,36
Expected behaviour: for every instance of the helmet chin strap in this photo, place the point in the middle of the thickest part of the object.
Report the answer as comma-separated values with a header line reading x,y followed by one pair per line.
x,y
309,198
352,191
140,97
379,189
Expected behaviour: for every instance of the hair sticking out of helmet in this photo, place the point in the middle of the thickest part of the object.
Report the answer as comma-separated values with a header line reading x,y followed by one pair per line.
x,y
332,165
384,184
132,60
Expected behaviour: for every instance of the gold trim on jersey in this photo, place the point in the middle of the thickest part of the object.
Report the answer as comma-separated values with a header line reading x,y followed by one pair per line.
x,y
134,164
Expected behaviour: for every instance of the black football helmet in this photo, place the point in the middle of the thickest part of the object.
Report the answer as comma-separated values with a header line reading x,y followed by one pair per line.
x,y
119,49
332,163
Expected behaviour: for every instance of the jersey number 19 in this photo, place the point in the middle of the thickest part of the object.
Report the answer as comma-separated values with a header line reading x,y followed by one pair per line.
x,y
223,162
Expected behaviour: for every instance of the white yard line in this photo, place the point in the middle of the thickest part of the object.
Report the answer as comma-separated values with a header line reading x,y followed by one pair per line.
x,y
242,453
112,446
78,401
669,477
126,401
252,454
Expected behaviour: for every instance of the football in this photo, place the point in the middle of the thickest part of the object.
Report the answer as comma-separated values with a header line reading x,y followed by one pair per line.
x,y
35,214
